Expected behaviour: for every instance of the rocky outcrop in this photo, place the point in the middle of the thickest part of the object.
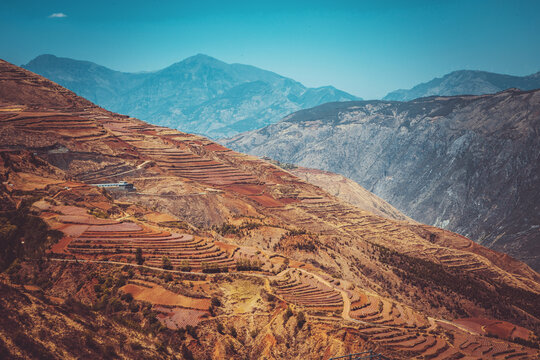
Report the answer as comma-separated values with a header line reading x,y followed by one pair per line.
x,y
467,82
470,164
199,94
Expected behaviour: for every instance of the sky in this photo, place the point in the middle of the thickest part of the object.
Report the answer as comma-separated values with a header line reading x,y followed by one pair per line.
x,y
367,48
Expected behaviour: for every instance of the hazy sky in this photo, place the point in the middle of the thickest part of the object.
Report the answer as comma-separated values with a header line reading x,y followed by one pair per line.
x,y
367,48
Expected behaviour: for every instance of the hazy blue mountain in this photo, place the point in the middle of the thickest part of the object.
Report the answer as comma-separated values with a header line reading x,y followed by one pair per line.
x,y
199,94
466,82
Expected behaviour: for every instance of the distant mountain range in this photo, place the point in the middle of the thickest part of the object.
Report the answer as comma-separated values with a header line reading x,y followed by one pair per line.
x,y
470,164
466,82
199,94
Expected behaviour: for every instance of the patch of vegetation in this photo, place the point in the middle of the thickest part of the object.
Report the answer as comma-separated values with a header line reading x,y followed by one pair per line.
x,y
429,275
300,320
287,315
166,263
184,266
283,165
139,256
213,268
297,240
23,235
237,230
296,232
175,224
245,264
98,213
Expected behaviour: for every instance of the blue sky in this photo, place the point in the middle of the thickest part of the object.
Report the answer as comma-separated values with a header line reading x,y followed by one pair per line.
x,y
367,48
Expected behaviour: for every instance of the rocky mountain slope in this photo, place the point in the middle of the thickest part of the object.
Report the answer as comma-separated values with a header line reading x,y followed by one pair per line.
x,y
349,191
470,164
199,94
466,82
216,254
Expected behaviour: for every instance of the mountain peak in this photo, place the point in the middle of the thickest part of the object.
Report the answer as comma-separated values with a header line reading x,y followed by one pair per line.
x,y
466,82
199,94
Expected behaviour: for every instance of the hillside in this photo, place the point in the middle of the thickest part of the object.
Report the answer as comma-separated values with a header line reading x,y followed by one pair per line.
x,y
216,254
199,94
349,191
466,82
469,164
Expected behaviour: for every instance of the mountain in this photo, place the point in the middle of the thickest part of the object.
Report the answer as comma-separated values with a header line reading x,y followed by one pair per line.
x,y
216,254
470,164
199,94
466,82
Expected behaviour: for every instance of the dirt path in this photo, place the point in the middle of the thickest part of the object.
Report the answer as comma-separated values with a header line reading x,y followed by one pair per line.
x,y
138,167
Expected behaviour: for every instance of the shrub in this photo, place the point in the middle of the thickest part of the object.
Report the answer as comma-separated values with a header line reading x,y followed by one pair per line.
x,y
300,320
215,302
166,263
139,257
213,268
184,266
191,331
248,265
24,235
287,315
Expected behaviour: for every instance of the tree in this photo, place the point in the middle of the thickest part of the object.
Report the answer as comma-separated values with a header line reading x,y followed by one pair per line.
x,y
184,266
138,256
166,263
300,320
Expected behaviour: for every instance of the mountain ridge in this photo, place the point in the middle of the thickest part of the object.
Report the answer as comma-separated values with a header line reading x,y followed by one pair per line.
x,y
198,94
466,82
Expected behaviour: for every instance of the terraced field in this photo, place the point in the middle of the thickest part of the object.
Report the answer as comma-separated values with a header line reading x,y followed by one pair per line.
x,y
304,290
87,144
377,310
88,236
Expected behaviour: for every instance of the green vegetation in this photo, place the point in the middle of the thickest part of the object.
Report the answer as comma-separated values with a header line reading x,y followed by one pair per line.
x,y
98,213
287,315
296,232
425,274
166,263
237,230
184,266
213,268
245,264
300,320
23,235
215,302
283,165
175,224
139,256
